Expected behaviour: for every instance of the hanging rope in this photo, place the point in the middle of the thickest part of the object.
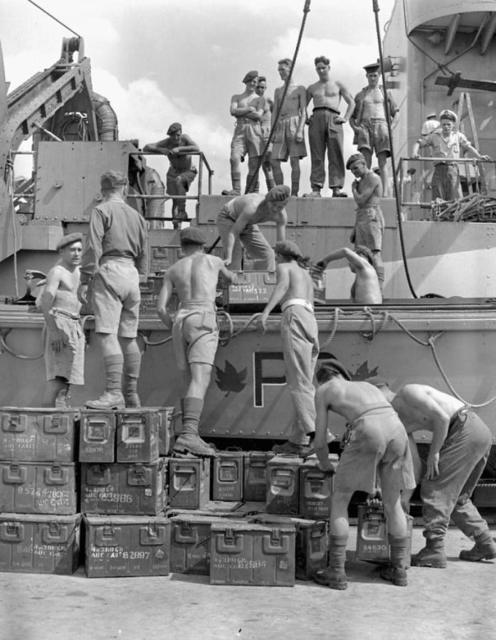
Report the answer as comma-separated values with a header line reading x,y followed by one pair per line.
x,y
21,356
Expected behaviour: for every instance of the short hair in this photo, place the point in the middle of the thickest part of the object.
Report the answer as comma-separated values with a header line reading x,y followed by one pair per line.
x,y
262,79
366,253
355,158
112,180
288,249
330,368
322,59
285,61
174,128
279,193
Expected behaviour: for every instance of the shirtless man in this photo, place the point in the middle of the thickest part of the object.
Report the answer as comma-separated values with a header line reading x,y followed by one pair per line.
x,y
369,123
265,125
457,456
194,330
289,140
376,451
300,341
369,224
248,109
366,288
326,129
178,148
238,222
64,343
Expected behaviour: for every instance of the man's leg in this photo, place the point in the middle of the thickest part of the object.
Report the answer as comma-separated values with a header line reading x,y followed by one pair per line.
x,y
317,137
379,267
132,366
113,362
382,159
295,175
56,393
252,182
336,161
399,541
367,154
258,248
268,173
173,190
188,439
238,151
224,226
277,170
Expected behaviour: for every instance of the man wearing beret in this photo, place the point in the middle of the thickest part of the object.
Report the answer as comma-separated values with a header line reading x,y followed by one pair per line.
x,y
64,342
369,123
248,109
300,342
178,148
238,222
194,331
446,143
113,260
375,454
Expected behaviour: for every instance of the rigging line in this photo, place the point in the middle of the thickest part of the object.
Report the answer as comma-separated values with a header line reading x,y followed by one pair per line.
x,y
375,6
54,18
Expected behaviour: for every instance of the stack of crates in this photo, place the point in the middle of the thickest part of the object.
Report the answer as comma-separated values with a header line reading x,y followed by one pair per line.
x,y
39,519
123,499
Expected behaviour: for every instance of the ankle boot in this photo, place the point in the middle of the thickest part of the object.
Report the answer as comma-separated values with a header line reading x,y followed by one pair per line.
x,y
400,560
484,549
335,576
432,555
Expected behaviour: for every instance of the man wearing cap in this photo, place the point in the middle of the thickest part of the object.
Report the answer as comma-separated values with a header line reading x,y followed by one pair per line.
x,y
238,222
325,130
366,289
194,330
369,223
265,125
289,139
300,341
458,453
446,143
376,454
64,341
178,147
248,109
113,260
369,123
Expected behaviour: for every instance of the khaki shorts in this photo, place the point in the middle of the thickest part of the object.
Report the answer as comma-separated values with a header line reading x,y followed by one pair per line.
x,y
116,298
247,140
68,363
369,228
376,450
285,144
195,337
373,136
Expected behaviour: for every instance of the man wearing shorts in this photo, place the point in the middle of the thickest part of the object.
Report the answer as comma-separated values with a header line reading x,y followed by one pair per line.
x,y
369,223
238,222
194,330
178,148
369,123
300,340
248,109
289,140
265,125
375,455
113,260
457,456
64,343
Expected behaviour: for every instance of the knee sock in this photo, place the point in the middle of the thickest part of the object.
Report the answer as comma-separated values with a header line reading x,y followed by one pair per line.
x,y
192,408
113,372
132,365
337,553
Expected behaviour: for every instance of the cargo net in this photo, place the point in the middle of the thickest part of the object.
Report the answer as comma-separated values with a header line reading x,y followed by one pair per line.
x,y
472,208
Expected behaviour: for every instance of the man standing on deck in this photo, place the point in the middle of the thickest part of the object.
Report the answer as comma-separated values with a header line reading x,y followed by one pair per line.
x,y
289,137
457,456
376,453
369,123
178,148
369,223
300,342
238,222
194,330
265,125
64,343
113,260
248,109
325,129
446,143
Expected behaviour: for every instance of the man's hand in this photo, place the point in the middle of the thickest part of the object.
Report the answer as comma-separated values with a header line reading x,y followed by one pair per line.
x,y
83,293
299,136
166,320
228,261
432,466
262,322
58,342
340,120
321,264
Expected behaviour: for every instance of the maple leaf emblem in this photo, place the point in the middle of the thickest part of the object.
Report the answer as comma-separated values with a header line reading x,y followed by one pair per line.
x,y
230,379
363,372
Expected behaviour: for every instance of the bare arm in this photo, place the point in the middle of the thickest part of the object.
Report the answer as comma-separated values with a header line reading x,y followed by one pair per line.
x,y
230,276
282,285
281,226
350,101
363,196
163,300
320,440
190,146
243,219
352,257
46,304
157,148
302,100
238,111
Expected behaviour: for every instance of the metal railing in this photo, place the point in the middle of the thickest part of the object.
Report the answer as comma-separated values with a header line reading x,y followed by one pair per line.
x,y
415,178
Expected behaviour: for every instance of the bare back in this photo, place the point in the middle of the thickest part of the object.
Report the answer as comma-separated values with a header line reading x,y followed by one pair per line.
x,y
421,406
194,277
366,288
300,284
351,399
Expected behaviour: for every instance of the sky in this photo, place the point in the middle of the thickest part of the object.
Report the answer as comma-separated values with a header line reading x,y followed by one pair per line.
x,y
160,61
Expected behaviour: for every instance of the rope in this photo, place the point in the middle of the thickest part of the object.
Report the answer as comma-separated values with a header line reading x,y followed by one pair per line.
x,y
149,343
335,323
21,356
234,334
